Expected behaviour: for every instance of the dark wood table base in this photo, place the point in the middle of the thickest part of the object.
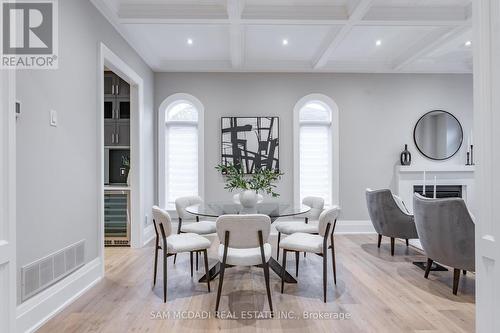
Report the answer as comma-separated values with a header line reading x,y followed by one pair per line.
x,y
273,264
434,267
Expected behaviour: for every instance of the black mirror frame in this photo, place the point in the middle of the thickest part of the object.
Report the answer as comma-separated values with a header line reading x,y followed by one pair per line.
x,y
432,158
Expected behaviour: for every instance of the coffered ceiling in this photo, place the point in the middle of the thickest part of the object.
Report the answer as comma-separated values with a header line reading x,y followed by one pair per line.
x,y
370,36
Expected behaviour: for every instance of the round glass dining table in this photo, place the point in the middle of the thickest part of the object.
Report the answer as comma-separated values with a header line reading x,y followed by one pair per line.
x,y
273,210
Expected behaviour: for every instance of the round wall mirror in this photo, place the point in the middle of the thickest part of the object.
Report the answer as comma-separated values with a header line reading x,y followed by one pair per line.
x,y
438,135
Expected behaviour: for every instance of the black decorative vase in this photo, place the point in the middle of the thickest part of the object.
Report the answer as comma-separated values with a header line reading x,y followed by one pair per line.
x,y
406,156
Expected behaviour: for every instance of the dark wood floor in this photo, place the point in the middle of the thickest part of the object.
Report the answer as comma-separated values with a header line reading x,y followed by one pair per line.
x,y
378,292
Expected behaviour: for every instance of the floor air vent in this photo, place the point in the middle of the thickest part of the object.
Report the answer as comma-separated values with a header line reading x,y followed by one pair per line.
x,y
44,272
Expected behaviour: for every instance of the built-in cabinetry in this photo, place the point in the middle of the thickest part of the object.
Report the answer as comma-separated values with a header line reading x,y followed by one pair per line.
x,y
116,111
116,160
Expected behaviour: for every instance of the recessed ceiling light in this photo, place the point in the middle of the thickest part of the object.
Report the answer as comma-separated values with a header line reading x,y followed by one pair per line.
x,y
285,41
190,41
468,43
378,42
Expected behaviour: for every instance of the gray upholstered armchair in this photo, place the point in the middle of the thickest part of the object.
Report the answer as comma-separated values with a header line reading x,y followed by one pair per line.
x,y
446,231
389,216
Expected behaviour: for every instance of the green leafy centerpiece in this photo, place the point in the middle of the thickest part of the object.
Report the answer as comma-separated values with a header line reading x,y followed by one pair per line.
x,y
262,180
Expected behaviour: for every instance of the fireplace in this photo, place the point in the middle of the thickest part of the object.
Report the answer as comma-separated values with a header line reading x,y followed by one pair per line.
x,y
442,191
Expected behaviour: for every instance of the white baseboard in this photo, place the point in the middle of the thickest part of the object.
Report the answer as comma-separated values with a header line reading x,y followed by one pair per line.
x,y
354,227
36,311
149,234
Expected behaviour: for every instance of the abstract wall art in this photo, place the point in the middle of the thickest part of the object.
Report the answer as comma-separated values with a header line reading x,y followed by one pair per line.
x,y
250,142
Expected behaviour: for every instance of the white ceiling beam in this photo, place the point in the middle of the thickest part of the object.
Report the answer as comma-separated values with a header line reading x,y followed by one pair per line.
x,y
422,13
236,32
261,21
299,12
334,39
427,44
171,11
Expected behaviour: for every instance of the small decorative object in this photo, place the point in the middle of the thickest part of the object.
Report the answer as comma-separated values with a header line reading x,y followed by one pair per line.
x,y
424,187
251,143
471,154
435,186
405,156
262,180
468,159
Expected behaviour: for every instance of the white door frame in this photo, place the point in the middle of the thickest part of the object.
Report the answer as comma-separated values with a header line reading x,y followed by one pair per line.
x,y
109,59
486,43
7,201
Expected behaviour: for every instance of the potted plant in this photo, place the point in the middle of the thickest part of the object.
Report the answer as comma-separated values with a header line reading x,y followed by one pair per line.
x,y
126,165
262,180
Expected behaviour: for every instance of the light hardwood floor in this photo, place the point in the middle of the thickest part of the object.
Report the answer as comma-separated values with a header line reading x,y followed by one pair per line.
x,y
380,293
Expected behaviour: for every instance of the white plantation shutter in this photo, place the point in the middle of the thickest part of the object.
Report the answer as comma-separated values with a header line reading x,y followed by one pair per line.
x,y
181,157
315,151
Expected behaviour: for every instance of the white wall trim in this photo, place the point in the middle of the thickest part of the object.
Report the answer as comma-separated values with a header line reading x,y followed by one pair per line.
x,y
8,266
107,58
486,22
334,136
161,143
36,311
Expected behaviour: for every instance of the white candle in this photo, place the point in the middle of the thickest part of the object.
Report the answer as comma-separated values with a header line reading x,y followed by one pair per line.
x,y
423,191
435,181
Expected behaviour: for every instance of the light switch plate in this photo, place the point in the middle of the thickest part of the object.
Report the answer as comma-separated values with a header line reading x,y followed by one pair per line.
x,y
53,118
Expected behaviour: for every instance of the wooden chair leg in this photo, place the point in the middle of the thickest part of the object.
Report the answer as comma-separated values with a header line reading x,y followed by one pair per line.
x,y
164,276
456,279
283,271
428,267
219,289
392,246
297,263
407,243
268,287
206,269
156,263
379,240
191,262
333,261
175,258
278,250
265,266
197,261
465,272
221,273
305,254
325,275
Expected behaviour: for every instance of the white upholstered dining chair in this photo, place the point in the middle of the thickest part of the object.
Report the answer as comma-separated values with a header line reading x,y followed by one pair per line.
x,y
171,244
197,226
308,226
318,244
244,243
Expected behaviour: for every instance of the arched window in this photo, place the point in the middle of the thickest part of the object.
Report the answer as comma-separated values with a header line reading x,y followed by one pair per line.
x,y
181,153
316,149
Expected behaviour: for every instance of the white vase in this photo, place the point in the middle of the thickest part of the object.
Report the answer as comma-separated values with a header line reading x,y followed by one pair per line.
x,y
248,198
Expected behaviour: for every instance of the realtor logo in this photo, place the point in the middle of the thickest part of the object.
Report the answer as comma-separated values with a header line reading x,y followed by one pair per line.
x,y
29,34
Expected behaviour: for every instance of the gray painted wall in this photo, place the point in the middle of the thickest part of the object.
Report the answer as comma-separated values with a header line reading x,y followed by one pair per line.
x,y
56,166
377,113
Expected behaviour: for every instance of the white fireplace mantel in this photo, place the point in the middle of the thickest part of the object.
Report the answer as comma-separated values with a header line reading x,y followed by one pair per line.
x,y
434,168
409,176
